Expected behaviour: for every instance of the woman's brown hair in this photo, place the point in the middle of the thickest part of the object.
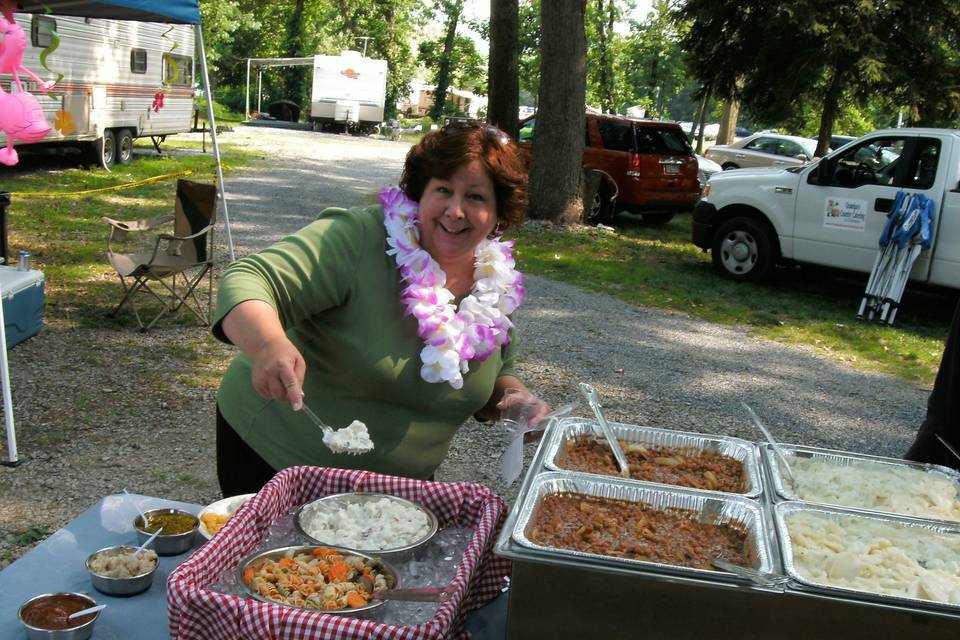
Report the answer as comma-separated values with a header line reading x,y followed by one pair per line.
x,y
440,153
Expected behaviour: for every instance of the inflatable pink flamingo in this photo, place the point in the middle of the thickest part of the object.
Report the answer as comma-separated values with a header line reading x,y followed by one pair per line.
x,y
21,117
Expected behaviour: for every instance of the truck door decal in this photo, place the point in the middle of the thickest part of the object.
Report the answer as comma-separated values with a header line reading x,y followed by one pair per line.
x,y
841,213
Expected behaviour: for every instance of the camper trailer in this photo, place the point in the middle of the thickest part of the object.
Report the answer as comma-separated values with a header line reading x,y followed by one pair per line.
x,y
121,80
348,92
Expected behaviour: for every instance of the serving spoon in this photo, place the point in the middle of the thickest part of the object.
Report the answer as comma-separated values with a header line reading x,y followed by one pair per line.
x,y
781,456
415,594
762,578
948,446
593,399
87,611
328,434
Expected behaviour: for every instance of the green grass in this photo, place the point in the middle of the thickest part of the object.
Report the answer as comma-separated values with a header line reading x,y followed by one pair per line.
x,y
64,233
661,268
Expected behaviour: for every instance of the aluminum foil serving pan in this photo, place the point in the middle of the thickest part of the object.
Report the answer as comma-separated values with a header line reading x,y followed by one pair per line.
x,y
872,483
714,508
883,558
571,429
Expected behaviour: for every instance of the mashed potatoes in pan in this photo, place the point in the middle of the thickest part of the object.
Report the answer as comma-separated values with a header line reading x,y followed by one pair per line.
x,y
884,487
879,557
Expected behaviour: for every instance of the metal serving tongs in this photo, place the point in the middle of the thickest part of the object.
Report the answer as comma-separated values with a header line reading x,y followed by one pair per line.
x,y
781,456
593,399
755,576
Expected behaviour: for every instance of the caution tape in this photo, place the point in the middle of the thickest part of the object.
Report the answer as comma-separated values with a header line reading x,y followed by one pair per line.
x,y
119,187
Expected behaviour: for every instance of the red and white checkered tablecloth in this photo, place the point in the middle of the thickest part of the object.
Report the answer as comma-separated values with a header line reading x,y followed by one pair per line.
x,y
197,613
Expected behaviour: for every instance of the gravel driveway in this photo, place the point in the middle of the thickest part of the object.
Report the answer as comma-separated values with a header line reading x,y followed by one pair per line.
x,y
89,423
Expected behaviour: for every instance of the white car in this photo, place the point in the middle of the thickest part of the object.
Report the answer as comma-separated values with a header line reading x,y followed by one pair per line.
x,y
706,168
764,150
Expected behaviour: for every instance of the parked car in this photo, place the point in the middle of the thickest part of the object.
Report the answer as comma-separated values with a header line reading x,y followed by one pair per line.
x,y
835,141
706,168
764,150
646,166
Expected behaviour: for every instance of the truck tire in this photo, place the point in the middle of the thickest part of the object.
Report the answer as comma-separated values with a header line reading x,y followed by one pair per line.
x,y
103,151
657,219
743,250
124,149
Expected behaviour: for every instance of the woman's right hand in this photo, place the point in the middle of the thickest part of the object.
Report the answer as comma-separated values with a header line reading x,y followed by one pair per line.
x,y
278,370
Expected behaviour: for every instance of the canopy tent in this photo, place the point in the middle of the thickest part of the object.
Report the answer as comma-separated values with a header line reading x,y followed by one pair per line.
x,y
170,11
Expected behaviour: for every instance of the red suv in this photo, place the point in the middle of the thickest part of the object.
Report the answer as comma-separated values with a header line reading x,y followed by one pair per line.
x,y
647,166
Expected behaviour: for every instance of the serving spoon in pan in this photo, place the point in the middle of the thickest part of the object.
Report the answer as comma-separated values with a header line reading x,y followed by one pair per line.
x,y
781,456
593,399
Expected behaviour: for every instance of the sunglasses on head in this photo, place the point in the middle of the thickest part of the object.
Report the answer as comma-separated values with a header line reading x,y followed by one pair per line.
x,y
461,125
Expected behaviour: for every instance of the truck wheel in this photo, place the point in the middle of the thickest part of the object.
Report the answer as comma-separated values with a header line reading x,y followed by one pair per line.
x,y
102,152
601,210
124,149
743,250
727,166
657,219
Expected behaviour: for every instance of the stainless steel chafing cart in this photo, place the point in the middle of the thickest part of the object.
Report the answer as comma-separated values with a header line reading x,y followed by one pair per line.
x,y
557,595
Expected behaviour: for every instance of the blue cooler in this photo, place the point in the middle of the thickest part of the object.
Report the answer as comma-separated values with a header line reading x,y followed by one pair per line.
x,y
23,299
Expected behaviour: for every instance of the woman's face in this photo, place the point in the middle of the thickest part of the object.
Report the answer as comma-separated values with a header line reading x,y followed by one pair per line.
x,y
457,213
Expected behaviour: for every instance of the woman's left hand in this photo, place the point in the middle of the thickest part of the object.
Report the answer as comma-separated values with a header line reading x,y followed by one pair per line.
x,y
520,403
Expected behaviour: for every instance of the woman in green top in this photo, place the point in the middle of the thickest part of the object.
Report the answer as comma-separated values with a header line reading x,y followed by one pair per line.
x,y
395,315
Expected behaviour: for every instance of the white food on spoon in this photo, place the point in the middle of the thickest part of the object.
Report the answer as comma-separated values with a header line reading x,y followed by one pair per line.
x,y
353,438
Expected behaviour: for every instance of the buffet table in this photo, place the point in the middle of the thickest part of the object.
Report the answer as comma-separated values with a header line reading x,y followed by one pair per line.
x,y
603,597
57,564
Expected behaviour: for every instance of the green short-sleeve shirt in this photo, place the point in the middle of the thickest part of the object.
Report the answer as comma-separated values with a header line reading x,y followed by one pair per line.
x,y
337,293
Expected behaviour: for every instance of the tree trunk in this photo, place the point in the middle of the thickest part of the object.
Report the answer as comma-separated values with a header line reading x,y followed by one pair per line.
x,y
503,89
728,121
702,118
443,73
830,102
556,170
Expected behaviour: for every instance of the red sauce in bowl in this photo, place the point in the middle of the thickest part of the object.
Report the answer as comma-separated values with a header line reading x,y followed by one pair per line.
x,y
51,613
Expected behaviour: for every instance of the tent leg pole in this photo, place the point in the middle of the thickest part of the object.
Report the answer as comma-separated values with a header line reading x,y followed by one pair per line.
x,y
213,139
12,459
246,94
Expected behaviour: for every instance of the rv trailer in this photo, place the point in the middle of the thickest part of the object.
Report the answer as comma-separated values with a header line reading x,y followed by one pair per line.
x,y
121,80
349,91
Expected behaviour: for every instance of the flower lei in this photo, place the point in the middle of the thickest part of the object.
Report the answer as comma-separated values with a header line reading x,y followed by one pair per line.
x,y
452,336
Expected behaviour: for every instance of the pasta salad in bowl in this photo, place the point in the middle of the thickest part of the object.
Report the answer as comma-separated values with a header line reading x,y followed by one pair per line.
x,y
318,578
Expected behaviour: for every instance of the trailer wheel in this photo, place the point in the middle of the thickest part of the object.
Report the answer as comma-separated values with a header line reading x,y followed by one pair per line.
x,y
124,148
102,152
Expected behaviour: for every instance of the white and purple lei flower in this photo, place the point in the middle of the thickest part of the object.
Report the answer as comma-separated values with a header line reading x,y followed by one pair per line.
x,y
452,336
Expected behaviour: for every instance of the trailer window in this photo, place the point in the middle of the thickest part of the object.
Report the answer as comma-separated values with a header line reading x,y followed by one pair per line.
x,y
138,60
42,29
177,70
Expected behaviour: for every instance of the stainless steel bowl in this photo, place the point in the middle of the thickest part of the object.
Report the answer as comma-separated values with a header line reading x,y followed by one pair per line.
x,y
343,499
80,632
120,586
167,545
289,552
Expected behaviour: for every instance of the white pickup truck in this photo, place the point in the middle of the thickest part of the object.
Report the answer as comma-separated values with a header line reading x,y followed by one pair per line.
x,y
831,212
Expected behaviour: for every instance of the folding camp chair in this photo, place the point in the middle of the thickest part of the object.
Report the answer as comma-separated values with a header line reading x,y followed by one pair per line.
x,y
177,263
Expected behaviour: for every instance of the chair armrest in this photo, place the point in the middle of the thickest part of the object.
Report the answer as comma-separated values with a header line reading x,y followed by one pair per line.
x,y
120,228
170,236
138,225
